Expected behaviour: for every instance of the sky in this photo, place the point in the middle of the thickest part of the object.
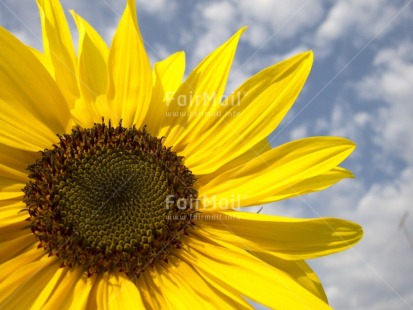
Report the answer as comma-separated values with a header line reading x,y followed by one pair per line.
x,y
361,88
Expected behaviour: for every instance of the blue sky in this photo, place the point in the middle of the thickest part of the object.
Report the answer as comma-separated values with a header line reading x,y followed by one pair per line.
x,y
361,87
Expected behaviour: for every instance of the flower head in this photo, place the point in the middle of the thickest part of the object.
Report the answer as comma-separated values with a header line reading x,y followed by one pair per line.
x,y
119,182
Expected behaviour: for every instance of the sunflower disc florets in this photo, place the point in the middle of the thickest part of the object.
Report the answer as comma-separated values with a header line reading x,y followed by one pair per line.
x,y
97,199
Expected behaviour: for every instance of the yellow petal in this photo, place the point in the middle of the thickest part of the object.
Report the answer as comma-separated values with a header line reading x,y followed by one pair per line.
x,y
200,93
178,295
28,281
30,255
10,249
298,270
15,240
81,293
43,59
17,159
10,191
130,77
58,48
13,231
10,188
167,77
93,54
93,76
197,293
86,113
116,291
12,182
277,171
49,287
32,108
151,294
255,110
287,238
10,213
13,174
262,147
313,184
249,276
71,292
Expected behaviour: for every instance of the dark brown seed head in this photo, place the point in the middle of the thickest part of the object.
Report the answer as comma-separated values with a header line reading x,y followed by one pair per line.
x,y
106,198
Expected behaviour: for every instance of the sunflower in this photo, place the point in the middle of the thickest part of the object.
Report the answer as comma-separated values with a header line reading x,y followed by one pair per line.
x,y
119,182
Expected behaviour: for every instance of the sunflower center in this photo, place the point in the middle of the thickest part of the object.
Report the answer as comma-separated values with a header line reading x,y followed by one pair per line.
x,y
105,198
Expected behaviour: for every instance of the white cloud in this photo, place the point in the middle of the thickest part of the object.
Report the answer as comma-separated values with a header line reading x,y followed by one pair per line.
x,y
391,81
162,8
362,119
372,275
299,132
280,18
219,12
257,34
218,20
355,19
266,20
344,121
